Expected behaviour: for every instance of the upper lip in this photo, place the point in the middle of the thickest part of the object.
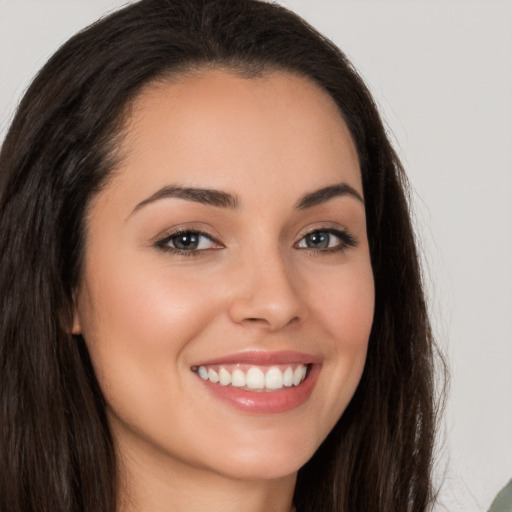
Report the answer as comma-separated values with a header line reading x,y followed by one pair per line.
x,y
263,358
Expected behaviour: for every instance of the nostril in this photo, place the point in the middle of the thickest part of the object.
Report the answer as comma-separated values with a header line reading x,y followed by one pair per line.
x,y
255,321
263,321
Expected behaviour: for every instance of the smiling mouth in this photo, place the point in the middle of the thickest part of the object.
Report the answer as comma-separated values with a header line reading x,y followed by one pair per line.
x,y
258,382
254,377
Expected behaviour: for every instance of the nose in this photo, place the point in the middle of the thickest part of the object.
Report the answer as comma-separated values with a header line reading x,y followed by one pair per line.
x,y
266,293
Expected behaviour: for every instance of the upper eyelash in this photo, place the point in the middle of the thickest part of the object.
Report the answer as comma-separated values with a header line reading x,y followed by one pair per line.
x,y
162,243
343,234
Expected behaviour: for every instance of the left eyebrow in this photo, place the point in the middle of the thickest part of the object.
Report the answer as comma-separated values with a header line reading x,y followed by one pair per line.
x,y
324,194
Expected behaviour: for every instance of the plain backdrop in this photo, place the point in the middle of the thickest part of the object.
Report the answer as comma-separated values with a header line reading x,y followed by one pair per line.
x,y
441,72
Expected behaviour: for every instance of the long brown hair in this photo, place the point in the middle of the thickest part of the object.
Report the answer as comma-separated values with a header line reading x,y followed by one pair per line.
x,y
56,450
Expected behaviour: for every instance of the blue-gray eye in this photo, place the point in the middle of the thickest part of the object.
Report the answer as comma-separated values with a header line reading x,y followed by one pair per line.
x,y
330,239
318,240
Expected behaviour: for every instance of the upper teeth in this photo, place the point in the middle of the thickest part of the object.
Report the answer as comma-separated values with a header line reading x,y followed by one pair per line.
x,y
256,377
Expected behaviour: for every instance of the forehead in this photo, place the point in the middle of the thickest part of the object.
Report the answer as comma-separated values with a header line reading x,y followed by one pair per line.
x,y
216,128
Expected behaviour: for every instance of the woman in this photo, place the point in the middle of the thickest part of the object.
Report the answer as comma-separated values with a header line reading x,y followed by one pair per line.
x,y
210,288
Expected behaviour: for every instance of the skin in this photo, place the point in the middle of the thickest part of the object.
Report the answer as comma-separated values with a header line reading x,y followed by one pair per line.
x,y
148,315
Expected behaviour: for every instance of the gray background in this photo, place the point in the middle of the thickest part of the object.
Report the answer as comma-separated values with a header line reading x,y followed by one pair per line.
x,y
441,72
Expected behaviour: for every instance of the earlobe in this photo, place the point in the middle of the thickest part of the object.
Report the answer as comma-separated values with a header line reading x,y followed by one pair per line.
x,y
76,327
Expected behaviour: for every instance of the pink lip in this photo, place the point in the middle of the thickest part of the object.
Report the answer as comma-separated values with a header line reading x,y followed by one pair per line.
x,y
262,358
265,402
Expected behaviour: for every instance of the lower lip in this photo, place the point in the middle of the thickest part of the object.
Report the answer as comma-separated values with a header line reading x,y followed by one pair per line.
x,y
266,402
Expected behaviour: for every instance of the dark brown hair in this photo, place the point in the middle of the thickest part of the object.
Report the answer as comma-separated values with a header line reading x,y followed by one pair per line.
x,y
56,451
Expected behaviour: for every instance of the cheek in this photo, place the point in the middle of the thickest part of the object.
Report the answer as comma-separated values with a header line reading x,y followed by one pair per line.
x,y
344,301
344,307
146,303
137,322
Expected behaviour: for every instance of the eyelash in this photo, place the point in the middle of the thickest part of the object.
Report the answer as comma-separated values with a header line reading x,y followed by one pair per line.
x,y
347,240
164,243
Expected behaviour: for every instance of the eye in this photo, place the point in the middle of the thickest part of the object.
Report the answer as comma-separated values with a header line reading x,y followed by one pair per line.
x,y
188,242
328,240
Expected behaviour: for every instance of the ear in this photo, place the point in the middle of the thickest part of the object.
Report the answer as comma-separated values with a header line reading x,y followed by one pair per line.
x,y
76,327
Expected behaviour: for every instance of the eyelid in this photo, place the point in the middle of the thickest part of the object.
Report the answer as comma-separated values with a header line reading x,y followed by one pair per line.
x,y
161,242
198,227
347,239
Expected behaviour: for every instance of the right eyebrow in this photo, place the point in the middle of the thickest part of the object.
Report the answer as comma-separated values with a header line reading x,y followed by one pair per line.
x,y
324,194
206,196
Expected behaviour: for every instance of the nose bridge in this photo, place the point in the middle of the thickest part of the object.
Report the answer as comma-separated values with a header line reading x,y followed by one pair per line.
x,y
267,291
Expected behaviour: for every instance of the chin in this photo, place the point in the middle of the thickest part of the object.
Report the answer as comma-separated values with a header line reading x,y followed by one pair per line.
x,y
266,458
258,466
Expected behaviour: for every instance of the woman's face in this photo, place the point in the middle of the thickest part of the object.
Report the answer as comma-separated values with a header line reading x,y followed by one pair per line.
x,y
226,258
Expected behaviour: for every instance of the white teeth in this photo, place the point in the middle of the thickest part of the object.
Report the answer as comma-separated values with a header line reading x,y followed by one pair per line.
x,y
297,376
238,378
288,377
213,376
224,377
255,378
274,378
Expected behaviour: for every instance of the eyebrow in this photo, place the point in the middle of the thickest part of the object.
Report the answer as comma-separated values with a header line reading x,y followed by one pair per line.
x,y
222,199
324,194
199,195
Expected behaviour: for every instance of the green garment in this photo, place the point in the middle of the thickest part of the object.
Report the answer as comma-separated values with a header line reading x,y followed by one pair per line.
x,y
503,502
